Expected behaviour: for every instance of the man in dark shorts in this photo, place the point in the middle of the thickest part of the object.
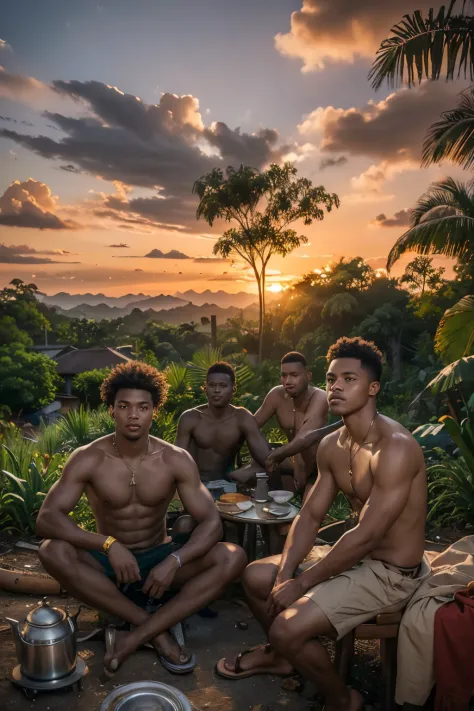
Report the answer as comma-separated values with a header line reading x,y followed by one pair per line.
x,y
215,432
129,478
310,592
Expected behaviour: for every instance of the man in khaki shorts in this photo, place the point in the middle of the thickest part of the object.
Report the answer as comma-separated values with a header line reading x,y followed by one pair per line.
x,y
308,591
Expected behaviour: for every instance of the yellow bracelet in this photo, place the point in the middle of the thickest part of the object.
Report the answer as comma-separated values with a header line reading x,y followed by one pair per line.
x,y
108,542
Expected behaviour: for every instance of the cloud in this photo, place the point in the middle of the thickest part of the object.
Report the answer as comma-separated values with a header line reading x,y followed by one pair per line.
x,y
164,147
172,213
18,86
371,183
155,254
22,254
332,162
377,262
4,46
400,219
379,129
70,168
326,31
30,204
173,254
122,245
255,149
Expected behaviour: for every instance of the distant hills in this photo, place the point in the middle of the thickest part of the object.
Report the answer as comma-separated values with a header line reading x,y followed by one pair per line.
x,y
114,306
221,298
137,317
68,301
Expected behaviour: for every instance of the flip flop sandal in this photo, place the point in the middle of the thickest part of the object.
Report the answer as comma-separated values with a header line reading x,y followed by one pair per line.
x,y
110,636
240,673
184,668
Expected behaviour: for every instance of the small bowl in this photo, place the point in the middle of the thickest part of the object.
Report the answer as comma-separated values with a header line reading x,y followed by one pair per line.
x,y
244,505
280,510
281,497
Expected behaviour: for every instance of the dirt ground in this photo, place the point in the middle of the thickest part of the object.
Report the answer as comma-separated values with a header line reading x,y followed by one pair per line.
x,y
209,639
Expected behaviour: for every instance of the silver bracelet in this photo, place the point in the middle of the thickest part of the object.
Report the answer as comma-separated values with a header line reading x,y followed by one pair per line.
x,y
175,555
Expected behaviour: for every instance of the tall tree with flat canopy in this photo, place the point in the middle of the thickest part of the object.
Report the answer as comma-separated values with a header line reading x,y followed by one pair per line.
x,y
262,205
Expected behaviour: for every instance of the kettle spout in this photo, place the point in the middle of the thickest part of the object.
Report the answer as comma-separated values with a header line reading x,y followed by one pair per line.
x,y
73,618
15,627
14,624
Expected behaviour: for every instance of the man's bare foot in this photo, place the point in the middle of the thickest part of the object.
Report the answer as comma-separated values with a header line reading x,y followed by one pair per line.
x,y
262,660
355,703
168,647
120,646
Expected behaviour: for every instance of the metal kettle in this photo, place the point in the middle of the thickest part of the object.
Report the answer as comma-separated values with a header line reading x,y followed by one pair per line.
x,y
46,642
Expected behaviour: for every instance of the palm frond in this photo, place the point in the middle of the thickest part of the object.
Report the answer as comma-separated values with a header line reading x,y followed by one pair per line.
x,y
446,197
451,235
176,376
420,47
452,138
455,335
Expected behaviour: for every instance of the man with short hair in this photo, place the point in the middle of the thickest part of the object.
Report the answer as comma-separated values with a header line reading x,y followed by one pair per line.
x,y
300,408
129,478
308,591
214,433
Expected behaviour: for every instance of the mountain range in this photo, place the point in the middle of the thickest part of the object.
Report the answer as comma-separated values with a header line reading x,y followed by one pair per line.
x,y
222,299
180,314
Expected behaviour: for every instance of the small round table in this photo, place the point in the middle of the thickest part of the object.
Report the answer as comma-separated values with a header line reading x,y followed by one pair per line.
x,y
254,517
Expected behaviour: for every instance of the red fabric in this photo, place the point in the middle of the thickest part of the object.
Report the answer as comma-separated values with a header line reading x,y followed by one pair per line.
x,y
454,653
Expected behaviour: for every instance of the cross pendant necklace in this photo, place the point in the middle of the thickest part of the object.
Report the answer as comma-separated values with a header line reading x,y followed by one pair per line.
x,y
132,480
352,456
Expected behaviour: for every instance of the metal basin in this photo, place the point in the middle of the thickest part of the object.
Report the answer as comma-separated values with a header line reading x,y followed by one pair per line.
x,y
146,696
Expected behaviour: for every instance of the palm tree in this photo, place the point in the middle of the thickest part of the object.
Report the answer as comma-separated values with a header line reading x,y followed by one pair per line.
x,y
423,47
442,222
452,138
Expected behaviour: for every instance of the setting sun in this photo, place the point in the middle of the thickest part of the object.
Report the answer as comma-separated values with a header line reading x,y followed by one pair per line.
x,y
275,288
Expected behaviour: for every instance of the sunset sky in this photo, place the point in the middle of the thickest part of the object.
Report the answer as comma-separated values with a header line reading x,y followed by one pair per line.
x,y
110,111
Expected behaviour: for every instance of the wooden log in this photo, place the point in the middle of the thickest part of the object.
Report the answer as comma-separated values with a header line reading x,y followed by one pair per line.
x,y
28,583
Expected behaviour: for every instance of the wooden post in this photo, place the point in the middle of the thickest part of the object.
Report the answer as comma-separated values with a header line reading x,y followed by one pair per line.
x,y
213,331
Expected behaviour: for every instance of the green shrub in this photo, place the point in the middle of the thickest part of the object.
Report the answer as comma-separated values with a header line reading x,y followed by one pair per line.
x,y
87,386
25,484
29,380
451,491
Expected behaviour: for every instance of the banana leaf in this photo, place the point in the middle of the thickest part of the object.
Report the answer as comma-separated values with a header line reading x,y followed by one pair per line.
x,y
462,436
457,373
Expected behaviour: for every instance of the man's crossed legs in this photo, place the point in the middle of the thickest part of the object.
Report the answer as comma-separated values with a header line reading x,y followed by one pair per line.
x,y
198,583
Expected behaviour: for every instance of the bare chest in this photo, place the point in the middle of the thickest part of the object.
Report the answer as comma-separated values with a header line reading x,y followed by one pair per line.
x,y
219,436
111,485
354,478
289,419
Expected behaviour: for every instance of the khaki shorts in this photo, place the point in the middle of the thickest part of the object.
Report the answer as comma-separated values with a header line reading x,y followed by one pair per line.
x,y
361,593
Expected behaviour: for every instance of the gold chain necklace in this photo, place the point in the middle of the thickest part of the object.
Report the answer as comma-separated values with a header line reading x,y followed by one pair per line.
x,y
132,480
353,456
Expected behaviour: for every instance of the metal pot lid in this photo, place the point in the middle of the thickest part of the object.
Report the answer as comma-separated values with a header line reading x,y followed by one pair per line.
x,y
146,696
45,616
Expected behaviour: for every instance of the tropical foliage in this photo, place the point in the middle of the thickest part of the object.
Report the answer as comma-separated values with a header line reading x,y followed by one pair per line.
x,y
452,138
454,337
424,47
262,206
442,222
